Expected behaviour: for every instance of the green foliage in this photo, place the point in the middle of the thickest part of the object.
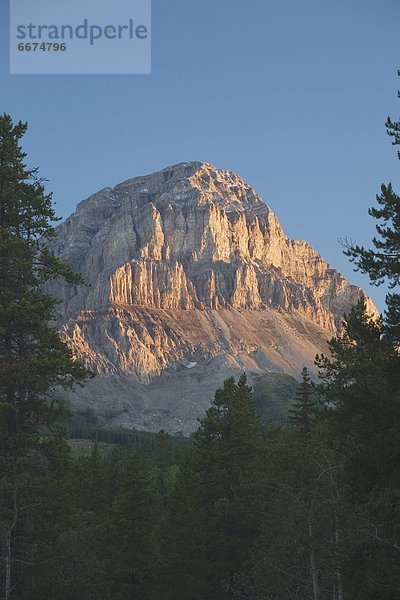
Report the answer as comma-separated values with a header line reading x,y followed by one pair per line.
x,y
83,448
161,447
361,388
297,538
383,262
362,382
214,518
33,359
302,413
131,534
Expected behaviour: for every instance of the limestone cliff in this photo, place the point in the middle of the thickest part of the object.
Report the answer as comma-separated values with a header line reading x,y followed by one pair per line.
x,y
187,269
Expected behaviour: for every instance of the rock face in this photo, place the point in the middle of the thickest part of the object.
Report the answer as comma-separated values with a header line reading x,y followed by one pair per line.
x,y
189,277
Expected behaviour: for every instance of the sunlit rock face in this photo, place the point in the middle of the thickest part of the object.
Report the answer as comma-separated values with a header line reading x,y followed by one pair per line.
x,y
188,271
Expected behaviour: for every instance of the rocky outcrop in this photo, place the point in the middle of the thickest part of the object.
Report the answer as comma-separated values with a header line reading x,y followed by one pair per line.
x,y
188,266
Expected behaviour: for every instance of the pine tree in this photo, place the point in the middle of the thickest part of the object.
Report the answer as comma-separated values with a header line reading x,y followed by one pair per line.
x,y
383,262
361,383
295,554
216,514
361,387
33,359
303,409
130,550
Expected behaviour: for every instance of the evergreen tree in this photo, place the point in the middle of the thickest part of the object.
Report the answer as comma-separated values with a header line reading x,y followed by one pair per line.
x,y
303,409
361,383
216,512
383,262
295,555
130,551
361,387
33,359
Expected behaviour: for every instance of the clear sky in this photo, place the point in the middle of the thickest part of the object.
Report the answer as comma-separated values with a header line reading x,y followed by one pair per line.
x,y
291,95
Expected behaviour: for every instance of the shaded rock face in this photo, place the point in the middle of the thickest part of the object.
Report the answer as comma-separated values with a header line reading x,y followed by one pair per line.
x,y
189,266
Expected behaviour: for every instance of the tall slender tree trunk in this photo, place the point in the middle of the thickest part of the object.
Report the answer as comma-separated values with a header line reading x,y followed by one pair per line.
x,y
8,538
339,581
8,558
313,565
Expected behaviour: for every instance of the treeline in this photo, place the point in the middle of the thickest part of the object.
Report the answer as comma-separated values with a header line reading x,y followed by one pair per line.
x,y
130,439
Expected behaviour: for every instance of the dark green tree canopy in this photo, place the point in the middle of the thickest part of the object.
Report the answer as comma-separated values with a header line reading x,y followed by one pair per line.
x,y
302,413
34,361
361,356
382,262
26,214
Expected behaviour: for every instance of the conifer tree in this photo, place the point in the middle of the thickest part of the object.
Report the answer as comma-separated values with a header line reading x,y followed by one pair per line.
x,y
361,384
361,387
383,262
302,412
216,510
130,549
33,359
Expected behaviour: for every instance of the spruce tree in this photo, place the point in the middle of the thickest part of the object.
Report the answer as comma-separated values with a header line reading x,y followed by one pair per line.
x,y
361,383
302,413
34,362
361,388
216,508
130,549
383,262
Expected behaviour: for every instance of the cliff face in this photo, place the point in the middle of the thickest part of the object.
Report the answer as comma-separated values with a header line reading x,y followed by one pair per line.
x,y
186,267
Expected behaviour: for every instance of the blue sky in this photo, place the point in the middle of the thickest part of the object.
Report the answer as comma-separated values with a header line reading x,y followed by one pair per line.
x,y
291,95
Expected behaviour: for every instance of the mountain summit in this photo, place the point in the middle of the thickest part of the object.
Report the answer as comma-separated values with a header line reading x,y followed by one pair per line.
x,y
189,278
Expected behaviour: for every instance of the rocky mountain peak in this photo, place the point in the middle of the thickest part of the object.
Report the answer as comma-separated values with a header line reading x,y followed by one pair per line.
x,y
185,185
188,266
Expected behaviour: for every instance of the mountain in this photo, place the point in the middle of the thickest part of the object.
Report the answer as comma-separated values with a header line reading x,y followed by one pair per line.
x,y
189,278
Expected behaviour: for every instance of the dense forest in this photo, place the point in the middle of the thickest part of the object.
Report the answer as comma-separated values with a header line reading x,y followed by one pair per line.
x,y
248,508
